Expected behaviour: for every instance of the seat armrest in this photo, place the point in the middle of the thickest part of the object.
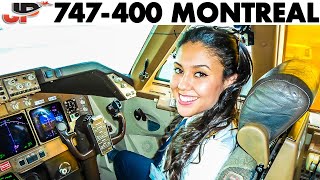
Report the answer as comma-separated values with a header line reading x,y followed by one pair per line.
x,y
254,139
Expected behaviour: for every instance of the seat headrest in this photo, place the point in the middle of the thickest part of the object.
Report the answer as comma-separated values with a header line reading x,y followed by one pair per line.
x,y
281,97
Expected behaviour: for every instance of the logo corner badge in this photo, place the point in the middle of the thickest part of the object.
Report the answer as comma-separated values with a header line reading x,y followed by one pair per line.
x,y
24,10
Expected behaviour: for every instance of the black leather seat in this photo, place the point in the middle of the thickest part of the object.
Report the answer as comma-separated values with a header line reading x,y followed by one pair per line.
x,y
277,101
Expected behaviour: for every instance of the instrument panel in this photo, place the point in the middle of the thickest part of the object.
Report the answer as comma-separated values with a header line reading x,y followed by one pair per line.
x,y
27,122
16,86
31,102
29,134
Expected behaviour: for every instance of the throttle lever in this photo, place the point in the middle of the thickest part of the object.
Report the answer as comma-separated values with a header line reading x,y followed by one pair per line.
x,y
67,139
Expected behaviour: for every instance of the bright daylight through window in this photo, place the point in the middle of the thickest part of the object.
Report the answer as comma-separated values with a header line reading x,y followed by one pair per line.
x,y
117,47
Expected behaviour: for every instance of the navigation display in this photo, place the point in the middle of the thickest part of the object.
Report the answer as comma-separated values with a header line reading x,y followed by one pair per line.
x,y
44,119
15,136
8,176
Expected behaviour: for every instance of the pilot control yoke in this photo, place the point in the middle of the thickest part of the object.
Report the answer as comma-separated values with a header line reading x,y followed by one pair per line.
x,y
92,136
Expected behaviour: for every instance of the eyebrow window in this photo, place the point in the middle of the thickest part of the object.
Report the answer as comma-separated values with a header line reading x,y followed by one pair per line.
x,y
167,70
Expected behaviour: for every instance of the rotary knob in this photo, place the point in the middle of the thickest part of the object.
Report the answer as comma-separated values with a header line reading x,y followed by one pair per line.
x,y
31,77
15,105
27,84
27,103
19,86
64,168
11,81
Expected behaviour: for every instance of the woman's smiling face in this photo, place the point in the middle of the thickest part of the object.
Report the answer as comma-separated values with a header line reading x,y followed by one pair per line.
x,y
198,79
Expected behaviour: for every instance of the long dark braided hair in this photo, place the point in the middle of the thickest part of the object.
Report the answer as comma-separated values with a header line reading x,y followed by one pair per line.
x,y
235,59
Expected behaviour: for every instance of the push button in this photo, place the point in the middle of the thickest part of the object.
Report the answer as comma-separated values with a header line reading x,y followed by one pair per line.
x,y
34,157
22,162
29,159
49,74
42,154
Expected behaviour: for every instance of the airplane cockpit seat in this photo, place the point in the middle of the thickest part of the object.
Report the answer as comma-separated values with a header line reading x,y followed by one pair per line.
x,y
274,104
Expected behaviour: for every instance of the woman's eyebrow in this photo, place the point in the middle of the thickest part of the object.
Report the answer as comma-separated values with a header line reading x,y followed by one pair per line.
x,y
177,64
199,66
194,66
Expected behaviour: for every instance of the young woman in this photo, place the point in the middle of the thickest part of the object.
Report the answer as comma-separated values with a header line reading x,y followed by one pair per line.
x,y
211,67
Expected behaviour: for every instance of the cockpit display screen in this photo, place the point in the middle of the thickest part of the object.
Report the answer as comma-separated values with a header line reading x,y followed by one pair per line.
x,y
44,120
9,176
15,136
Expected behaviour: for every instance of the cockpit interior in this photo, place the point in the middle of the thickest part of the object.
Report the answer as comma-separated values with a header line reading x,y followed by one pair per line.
x,y
61,122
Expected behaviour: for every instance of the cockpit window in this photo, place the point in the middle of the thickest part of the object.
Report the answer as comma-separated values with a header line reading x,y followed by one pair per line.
x,y
166,71
26,47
